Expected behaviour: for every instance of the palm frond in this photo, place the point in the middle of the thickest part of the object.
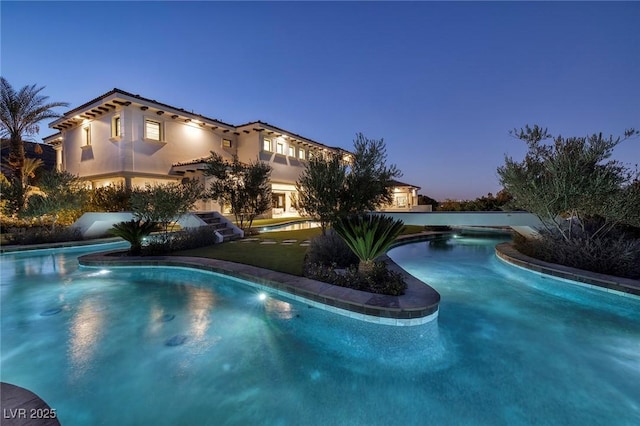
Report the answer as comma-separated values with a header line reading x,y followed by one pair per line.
x,y
368,236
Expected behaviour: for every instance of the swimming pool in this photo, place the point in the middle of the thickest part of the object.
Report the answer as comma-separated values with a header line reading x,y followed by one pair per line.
x,y
508,348
291,226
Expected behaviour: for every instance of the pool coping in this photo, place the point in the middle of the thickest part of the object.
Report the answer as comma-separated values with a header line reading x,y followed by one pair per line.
x,y
418,305
13,248
623,286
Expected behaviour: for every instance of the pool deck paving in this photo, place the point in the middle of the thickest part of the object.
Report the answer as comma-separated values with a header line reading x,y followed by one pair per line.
x,y
21,407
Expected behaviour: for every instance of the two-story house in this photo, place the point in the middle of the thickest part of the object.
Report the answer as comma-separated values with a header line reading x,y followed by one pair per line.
x,y
122,138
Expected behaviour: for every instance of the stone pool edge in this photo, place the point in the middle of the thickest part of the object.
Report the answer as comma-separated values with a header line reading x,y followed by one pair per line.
x,y
419,304
622,286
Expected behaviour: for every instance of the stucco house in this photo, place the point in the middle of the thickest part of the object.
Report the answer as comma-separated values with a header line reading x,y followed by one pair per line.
x,y
122,138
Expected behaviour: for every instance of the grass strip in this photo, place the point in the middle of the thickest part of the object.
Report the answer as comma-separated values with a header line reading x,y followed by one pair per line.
x,y
287,258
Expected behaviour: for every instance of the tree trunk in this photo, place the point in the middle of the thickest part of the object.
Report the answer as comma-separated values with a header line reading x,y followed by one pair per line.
x,y
365,266
16,161
16,156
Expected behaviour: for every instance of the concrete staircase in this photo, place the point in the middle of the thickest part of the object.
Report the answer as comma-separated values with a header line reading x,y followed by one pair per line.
x,y
222,226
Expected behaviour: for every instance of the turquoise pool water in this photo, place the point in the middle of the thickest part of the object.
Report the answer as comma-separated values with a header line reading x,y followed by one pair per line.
x,y
508,348
291,226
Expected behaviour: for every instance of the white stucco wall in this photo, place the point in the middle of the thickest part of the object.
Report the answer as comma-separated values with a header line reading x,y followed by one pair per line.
x,y
100,157
132,154
249,146
181,142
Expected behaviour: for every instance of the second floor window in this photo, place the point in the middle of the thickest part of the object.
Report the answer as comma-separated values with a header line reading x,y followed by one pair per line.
x,y
280,148
266,145
115,127
152,130
86,131
292,151
301,154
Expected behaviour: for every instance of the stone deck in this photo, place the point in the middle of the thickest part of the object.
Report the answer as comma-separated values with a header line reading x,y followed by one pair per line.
x,y
21,407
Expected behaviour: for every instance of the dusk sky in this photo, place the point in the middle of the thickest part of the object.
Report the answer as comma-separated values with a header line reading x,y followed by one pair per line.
x,y
441,82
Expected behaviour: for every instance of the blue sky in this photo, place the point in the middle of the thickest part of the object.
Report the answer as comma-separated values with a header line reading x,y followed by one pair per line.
x,y
441,82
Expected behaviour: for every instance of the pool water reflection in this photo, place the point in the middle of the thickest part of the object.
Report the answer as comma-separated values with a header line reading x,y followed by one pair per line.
x,y
508,347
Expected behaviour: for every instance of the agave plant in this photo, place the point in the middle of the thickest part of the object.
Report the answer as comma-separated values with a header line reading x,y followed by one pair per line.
x,y
368,236
133,231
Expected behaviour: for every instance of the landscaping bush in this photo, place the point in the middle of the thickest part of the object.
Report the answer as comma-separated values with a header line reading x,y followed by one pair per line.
x,y
614,254
185,239
111,198
378,279
330,249
42,235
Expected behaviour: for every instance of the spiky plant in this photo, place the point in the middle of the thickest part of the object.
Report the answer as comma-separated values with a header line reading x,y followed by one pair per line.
x,y
368,236
133,231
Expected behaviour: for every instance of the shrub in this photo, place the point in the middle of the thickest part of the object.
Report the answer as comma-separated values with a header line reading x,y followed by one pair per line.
x,y
329,249
42,234
378,279
613,254
61,198
185,239
110,198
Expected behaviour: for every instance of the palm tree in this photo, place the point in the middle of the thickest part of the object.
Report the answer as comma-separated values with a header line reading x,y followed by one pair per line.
x,y
20,113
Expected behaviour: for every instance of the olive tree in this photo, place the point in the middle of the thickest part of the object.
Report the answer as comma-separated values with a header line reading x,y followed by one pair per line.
x,y
588,203
321,189
165,203
572,181
334,187
245,188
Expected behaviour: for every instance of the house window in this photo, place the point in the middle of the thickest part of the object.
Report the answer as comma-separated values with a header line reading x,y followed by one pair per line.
x,y
277,201
152,130
280,148
292,151
86,132
401,201
226,143
301,154
266,145
115,127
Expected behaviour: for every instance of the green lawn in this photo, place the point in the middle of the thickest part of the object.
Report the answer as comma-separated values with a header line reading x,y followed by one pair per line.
x,y
277,257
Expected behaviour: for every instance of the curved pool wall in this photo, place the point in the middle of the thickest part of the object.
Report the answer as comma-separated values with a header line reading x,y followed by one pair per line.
x,y
418,305
509,347
621,286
